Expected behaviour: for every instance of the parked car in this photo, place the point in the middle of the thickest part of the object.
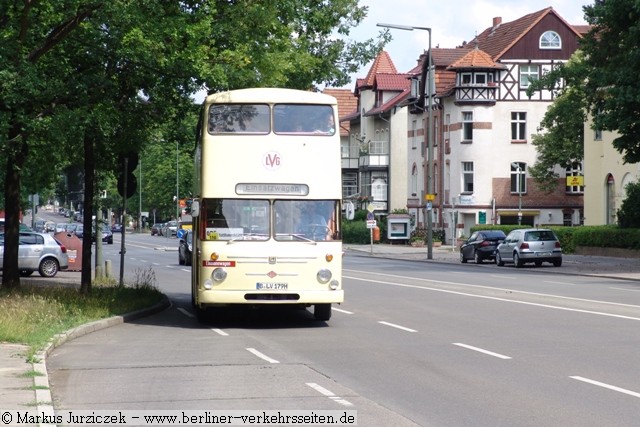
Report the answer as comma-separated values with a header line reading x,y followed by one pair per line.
x,y
156,229
116,228
535,245
107,235
186,247
38,252
170,229
481,246
61,227
39,226
79,231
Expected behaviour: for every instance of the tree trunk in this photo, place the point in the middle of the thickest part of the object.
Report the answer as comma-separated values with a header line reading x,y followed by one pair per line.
x,y
89,175
16,156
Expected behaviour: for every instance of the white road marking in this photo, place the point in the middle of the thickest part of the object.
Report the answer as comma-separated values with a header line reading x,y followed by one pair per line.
x,y
341,311
623,289
393,325
185,312
610,387
490,353
502,299
262,356
220,332
329,394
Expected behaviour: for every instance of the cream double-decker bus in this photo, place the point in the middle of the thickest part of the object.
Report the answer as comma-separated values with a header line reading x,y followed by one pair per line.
x,y
266,210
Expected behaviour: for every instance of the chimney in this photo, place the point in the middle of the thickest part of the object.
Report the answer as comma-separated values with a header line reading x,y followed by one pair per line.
x,y
497,21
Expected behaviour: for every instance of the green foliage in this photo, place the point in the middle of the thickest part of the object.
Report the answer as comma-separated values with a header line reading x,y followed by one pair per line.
x,y
360,215
629,213
34,315
418,234
612,52
607,236
355,232
560,140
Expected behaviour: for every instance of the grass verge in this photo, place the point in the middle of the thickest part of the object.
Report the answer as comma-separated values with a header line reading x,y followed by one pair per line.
x,y
33,315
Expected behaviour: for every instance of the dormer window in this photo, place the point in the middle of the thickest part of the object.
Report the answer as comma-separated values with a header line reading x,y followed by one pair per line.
x,y
550,40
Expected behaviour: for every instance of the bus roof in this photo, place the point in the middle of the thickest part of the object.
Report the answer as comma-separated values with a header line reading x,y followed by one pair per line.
x,y
270,95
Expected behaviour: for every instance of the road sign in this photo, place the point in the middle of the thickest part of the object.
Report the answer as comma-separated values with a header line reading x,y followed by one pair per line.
x,y
371,207
430,197
371,223
370,216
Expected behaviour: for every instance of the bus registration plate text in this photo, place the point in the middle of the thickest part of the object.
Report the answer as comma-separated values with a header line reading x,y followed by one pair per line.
x,y
272,286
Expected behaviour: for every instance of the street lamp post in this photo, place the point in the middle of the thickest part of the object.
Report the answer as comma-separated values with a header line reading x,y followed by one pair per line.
x,y
429,93
519,185
177,183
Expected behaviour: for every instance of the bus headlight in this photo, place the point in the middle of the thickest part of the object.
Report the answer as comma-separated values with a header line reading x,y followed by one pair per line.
x,y
334,285
324,275
218,275
208,284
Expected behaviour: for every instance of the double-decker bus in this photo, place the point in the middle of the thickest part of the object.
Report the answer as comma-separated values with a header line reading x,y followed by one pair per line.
x,y
266,210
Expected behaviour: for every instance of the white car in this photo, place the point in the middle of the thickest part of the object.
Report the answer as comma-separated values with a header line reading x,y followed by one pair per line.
x,y
38,252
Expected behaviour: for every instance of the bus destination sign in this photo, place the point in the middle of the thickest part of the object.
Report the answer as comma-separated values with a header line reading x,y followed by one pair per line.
x,y
275,189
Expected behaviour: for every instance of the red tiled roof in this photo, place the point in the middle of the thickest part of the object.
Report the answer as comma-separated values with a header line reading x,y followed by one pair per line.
x,y
475,58
385,81
582,29
382,64
347,103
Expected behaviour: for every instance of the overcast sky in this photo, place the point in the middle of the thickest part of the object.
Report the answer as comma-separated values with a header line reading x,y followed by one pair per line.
x,y
451,22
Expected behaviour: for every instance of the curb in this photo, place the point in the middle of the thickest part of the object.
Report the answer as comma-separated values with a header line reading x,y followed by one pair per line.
x,y
44,400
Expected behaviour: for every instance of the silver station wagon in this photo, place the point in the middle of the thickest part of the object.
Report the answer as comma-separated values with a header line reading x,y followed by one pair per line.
x,y
536,245
38,252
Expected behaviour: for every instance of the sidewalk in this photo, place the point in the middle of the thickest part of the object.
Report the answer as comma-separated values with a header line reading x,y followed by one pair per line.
x,y
24,386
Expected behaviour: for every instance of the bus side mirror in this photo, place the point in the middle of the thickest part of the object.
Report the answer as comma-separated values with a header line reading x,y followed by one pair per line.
x,y
195,208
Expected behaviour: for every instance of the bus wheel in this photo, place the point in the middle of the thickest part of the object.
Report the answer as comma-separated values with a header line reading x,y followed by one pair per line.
x,y
322,311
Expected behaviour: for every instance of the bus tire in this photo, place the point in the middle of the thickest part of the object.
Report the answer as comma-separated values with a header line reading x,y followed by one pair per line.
x,y
322,311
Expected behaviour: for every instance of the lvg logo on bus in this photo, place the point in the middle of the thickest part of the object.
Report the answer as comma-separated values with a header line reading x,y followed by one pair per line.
x,y
272,160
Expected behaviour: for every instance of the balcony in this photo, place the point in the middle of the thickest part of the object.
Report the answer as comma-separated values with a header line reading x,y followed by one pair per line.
x,y
476,94
374,154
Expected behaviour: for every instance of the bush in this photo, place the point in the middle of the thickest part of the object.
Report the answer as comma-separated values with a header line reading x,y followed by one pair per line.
x,y
355,232
629,212
607,236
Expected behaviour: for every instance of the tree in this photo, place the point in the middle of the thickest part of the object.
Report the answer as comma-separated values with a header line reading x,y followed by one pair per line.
x,y
629,213
612,56
103,72
561,138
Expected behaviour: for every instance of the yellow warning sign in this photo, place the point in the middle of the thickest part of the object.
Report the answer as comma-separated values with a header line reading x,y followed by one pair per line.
x,y
575,181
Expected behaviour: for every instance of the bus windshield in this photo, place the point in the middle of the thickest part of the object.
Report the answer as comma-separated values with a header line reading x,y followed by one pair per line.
x,y
252,219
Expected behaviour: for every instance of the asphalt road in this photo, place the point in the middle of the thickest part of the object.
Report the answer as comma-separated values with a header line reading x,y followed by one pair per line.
x,y
413,344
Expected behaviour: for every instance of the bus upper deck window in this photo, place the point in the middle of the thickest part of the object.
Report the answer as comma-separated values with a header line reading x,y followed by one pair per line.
x,y
239,118
303,119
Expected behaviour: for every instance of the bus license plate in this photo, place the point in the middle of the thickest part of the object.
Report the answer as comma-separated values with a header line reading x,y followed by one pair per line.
x,y
272,286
